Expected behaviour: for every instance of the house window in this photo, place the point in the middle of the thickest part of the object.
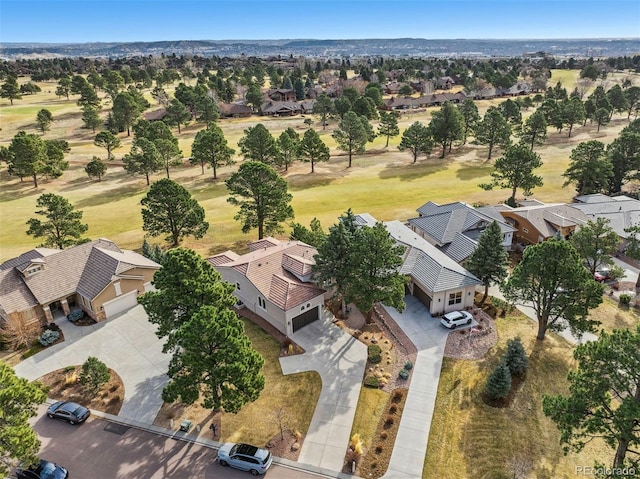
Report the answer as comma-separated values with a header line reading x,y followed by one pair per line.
x,y
455,298
262,303
525,230
33,270
238,286
118,289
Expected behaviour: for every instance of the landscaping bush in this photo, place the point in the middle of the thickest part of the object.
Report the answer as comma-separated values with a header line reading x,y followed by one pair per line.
x,y
75,315
372,382
403,374
375,353
397,396
516,357
408,365
48,337
625,299
389,422
94,374
499,382
393,409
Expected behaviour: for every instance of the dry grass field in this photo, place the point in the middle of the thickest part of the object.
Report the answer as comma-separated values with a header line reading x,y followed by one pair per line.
x,y
382,182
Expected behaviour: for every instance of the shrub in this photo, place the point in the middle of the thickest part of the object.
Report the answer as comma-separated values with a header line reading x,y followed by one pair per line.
x,y
75,315
372,382
379,449
48,337
408,365
403,374
383,436
625,299
392,409
397,396
94,374
516,357
375,353
18,334
389,422
499,382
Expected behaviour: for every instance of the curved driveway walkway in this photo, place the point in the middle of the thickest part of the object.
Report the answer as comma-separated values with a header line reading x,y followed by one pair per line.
x,y
341,360
429,338
127,344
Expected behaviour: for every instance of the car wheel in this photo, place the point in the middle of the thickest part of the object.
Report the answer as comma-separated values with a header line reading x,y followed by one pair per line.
x,y
72,422
223,463
50,415
254,472
469,321
453,325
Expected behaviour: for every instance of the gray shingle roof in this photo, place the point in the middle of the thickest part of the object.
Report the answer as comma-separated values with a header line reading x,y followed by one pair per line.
x,y
621,211
461,247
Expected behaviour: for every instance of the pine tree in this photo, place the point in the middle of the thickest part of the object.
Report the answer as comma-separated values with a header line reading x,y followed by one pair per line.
x,y
147,251
94,374
490,259
516,357
499,382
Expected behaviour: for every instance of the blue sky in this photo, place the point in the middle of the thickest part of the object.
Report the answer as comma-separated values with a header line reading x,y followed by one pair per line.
x,y
151,20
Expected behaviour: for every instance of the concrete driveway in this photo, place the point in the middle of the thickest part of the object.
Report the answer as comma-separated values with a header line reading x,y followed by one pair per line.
x,y
429,338
340,359
127,344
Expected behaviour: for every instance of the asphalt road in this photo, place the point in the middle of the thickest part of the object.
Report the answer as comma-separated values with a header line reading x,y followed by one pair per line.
x,y
89,451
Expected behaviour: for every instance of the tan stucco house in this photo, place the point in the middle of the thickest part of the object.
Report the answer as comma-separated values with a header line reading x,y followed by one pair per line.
x,y
274,281
97,277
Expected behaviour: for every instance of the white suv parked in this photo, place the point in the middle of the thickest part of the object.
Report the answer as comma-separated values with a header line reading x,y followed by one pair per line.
x,y
456,318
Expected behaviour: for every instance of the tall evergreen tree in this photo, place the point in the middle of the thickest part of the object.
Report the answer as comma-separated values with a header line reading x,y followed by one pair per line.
x,y
210,147
417,140
258,145
469,111
534,130
490,260
499,382
590,169
493,130
388,126
312,149
516,357
96,168
352,134
447,126
10,89
63,226
288,142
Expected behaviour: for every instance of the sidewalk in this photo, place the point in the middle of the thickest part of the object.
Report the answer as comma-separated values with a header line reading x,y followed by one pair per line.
x,y
340,359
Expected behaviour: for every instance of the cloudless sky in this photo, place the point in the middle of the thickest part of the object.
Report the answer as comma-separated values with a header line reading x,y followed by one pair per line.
x,y
60,21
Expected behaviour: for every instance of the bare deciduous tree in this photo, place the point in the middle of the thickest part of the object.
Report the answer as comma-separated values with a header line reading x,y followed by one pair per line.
x,y
18,334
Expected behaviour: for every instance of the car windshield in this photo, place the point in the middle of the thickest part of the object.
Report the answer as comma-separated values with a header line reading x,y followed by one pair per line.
x,y
51,471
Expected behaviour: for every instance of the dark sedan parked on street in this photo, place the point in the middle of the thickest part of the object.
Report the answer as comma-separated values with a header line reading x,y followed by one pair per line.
x,y
42,470
68,411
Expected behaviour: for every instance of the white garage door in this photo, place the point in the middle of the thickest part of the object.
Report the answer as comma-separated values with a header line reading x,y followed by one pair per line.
x,y
120,304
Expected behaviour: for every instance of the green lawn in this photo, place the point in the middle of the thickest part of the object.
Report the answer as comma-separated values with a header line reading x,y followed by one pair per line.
x,y
382,182
470,439
612,316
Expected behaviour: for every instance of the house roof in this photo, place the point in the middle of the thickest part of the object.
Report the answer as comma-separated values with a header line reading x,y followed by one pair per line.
x,y
427,264
443,222
155,115
621,211
547,219
280,270
280,106
234,109
85,269
461,247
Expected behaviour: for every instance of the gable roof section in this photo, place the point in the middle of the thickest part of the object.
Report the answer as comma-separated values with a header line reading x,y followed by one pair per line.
x,y
427,264
547,219
461,247
280,272
443,223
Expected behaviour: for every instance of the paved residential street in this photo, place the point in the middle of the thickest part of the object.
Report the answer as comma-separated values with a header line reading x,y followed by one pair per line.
x,y
89,451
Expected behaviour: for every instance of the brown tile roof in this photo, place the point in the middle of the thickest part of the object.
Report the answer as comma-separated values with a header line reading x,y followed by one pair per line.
x,y
267,242
86,269
273,270
222,258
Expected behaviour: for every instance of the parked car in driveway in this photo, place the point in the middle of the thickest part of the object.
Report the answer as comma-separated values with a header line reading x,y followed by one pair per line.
x,y
42,470
68,411
602,275
456,318
245,457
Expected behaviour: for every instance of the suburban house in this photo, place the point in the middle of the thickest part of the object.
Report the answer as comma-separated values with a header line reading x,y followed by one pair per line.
x,y
155,115
282,94
235,110
454,228
280,108
274,281
97,277
621,211
436,280
536,221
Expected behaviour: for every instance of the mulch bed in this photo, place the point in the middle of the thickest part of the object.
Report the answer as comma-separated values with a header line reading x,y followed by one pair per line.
x,y
472,343
288,446
62,387
374,462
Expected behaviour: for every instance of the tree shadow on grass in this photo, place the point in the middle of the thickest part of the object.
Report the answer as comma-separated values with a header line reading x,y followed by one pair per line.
x,y
114,195
18,190
471,171
414,171
79,183
301,181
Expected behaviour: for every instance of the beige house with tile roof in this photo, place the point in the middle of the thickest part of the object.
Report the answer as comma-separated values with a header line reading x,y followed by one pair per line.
x,y
274,281
97,277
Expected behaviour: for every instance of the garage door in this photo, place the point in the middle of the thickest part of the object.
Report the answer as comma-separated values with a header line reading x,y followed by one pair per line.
x,y
422,296
305,318
120,304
